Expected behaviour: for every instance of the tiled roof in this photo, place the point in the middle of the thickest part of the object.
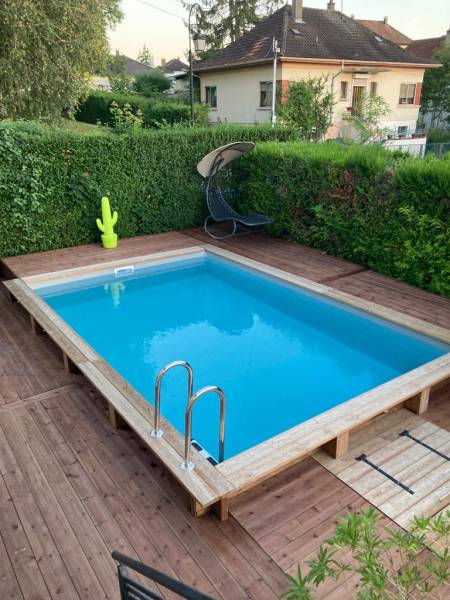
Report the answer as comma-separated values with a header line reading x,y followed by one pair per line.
x,y
386,31
133,67
324,35
174,65
425,48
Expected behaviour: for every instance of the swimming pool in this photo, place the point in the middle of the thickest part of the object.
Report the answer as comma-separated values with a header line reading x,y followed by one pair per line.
x,y
282,354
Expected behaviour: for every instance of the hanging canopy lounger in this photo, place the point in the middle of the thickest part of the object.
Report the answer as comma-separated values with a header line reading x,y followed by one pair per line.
x,y
219,209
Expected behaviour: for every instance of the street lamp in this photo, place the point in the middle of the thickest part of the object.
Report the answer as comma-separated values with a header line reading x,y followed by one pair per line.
x,y
199,44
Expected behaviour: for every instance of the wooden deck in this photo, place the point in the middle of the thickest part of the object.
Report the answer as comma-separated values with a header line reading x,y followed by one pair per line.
x,y
72,488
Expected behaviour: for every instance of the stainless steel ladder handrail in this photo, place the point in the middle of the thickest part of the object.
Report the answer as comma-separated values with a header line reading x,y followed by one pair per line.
x,y
187,464
157,432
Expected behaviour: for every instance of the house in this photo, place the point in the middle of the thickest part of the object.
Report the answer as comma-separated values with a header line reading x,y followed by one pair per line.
x,y
385,30
236,83
131,69
425,48
178,73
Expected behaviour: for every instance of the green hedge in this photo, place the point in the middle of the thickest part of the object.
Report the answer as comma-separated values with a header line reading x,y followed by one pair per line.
x,y
96,109
387,212
364,204
51,181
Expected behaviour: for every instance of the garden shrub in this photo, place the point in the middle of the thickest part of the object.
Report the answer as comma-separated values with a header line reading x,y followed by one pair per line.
x,y
96,109
51,181
387,212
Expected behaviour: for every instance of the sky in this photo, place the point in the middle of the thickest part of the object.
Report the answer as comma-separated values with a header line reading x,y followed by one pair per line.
x,y
166,35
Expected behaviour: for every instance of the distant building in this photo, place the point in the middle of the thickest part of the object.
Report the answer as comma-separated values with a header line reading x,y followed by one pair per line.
x,y
132,68
178,73
425,48
386,31
236,83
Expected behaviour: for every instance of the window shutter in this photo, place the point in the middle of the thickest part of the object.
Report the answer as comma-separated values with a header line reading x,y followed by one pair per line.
x,y
418,94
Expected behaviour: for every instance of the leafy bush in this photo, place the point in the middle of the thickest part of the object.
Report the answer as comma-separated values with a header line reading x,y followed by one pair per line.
x,y
149,83
387,562
438,136
51,181
360,203
96,108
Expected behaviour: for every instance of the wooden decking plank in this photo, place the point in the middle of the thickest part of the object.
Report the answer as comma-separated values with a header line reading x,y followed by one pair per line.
x,y
9,585
25,565
77,516
66,258
379,288
98,460
77,563
301,260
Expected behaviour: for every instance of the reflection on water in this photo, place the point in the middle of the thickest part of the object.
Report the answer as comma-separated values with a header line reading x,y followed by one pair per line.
x,y
115,290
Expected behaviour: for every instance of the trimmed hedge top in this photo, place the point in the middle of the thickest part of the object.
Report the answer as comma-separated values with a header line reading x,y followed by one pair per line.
x,y
96,108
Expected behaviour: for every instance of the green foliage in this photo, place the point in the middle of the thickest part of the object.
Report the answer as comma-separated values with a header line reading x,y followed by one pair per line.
x,y
124,119
436,86
145,56
349,202
224,21
438,136
52,180
308,106
149,83
385,560
96,108
46,51
365,119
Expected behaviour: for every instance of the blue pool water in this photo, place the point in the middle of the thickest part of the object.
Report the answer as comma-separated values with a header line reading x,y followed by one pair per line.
x,y
281,356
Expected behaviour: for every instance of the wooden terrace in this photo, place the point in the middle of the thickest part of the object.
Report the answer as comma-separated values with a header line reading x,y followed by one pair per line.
x,y
73,488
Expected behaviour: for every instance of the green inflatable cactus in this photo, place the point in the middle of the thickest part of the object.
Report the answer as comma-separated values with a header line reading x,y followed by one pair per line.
x,y
109,238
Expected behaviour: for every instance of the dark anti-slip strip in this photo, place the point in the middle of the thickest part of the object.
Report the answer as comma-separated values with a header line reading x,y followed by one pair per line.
x,y
363,458
424,444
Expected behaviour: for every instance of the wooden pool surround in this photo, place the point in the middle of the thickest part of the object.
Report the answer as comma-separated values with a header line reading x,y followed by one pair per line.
x,y
209,486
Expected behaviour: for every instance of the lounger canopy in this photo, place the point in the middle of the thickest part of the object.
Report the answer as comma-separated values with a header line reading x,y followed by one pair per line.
x,y
221,157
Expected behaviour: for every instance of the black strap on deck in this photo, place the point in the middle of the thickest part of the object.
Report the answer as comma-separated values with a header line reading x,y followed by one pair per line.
x,y
424,444
363,458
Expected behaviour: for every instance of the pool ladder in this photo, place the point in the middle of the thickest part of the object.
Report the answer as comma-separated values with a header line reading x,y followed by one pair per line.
x,y
157,432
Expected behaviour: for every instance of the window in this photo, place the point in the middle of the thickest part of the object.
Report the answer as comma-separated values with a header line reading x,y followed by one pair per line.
x,y
344,90
211,96
402,131
265,94
373,88
407,93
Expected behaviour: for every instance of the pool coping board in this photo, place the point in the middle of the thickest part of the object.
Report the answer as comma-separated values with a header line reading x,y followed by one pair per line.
x,y
208,485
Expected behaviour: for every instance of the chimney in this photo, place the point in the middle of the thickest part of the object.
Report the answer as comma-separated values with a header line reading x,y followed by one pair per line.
x,y
447,37
163,62
385,20
297,10
331,5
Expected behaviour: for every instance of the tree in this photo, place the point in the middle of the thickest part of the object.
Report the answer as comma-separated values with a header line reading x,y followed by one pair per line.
x,y
366,116
436,87
118,78
145,56
47,50
224,21
387,562
150,83
308,106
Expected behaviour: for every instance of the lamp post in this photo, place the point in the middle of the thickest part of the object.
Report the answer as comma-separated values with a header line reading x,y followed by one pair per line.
x,y
199,45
